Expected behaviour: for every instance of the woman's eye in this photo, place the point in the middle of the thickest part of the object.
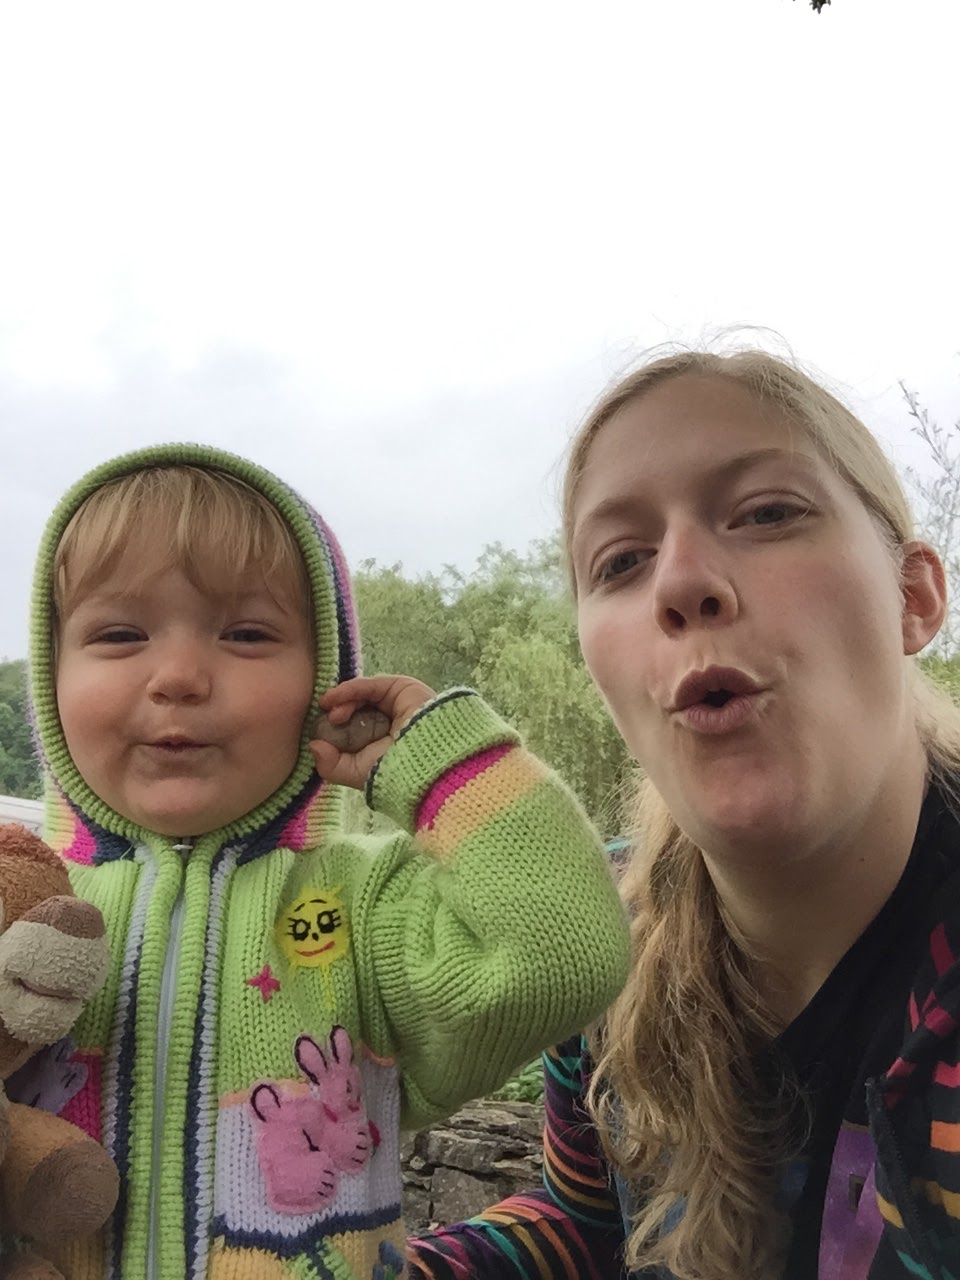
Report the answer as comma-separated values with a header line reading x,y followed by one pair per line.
x,y
772,513
619,564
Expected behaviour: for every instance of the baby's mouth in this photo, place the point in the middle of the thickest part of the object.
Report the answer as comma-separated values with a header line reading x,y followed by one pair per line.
x,y
177,744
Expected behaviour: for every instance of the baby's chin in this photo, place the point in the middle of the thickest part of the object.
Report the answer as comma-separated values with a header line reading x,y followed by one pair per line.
x,y
191,807
180,822
174,827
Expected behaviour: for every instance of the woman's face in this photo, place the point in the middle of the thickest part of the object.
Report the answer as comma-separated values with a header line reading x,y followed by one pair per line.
x,y
742,617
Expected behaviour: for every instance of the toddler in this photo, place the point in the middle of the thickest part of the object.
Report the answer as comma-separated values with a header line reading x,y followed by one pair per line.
x,y
283,996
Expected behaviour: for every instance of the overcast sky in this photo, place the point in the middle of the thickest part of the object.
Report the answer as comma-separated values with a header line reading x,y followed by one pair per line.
x,y
392,251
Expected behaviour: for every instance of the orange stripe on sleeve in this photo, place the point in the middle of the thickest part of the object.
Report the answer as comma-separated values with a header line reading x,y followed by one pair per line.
x,y
542,1265
889,1212
944,1135
480,800
948,1200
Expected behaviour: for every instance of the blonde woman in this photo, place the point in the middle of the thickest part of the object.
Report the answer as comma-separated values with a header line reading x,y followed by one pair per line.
x,y
775,1093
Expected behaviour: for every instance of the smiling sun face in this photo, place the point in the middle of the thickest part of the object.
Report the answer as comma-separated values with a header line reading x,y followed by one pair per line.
x,y
313,930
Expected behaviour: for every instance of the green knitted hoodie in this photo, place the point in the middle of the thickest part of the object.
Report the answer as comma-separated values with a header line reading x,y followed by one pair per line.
x,y
283,995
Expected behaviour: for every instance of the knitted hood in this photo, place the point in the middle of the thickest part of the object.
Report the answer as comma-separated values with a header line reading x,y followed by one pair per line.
x,y
80,825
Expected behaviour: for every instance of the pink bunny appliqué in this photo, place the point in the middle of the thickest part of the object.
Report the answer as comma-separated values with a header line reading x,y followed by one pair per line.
x,y
306,1140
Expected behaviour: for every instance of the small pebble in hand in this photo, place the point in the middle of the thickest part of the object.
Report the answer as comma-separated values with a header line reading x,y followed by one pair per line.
x,y
366,725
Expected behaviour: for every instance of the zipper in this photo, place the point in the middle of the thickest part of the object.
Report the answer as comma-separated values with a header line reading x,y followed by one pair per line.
x,y
168,992
888,1150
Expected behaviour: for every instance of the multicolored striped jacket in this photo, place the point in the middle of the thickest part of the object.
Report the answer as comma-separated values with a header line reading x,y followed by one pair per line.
x,y
284,996
572,1229
892,1200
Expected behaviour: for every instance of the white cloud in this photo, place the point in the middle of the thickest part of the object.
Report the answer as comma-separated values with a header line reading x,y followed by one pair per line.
x,y
405,244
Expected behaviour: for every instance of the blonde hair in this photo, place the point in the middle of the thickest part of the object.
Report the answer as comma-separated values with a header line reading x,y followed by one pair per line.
x,y
219,531
677,1096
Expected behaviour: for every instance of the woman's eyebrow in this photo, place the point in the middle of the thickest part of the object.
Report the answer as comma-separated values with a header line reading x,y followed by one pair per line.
x,y
733,468
612,508
625,503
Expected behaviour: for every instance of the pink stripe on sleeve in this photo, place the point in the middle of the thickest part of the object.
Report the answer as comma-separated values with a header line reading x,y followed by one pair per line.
x,y
947,1073
940,951
451,782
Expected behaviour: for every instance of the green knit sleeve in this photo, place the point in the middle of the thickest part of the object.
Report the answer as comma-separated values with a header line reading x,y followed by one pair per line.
x,y
492,929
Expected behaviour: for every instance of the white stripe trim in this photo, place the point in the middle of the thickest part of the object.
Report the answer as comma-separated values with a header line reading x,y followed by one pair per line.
x,y
207,1117
128,976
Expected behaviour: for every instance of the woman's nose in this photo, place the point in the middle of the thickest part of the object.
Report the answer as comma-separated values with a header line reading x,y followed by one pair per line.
x,y
692,584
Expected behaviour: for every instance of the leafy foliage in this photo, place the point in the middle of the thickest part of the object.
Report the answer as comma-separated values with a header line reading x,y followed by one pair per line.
x,y
937,497
19,775
946,672
509,631
526,1085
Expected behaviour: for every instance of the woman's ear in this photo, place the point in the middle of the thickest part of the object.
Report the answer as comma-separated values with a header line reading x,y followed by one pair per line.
x,y
924,587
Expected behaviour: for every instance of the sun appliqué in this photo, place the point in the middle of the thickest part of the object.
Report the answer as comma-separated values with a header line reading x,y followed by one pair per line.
x,y
313,932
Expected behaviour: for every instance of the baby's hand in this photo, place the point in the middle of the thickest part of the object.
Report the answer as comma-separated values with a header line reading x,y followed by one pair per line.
x,y
387,703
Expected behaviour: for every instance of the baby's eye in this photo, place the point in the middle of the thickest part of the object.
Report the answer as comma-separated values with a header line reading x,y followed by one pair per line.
x,y
247,635
119,635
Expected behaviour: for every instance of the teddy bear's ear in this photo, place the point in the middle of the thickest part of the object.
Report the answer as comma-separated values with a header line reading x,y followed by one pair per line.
x,y
30,872
17,841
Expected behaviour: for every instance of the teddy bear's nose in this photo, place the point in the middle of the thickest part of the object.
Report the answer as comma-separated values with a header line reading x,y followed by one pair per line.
x,y
72,916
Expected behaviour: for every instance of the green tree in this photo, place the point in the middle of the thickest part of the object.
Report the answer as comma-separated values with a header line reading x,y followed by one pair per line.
x,y
405,626
937,499
946,672
19,775
508,630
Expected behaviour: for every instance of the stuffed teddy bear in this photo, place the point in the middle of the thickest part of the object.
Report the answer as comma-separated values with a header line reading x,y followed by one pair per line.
x,y
56,1182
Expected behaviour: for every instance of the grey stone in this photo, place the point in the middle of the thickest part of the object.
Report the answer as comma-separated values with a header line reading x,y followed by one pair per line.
x,y
462,1151
512,1119
418,1209
523,1171
458,1195
486,1151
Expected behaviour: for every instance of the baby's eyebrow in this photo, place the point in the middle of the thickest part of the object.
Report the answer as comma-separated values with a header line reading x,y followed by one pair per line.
x,y
242,601
107,600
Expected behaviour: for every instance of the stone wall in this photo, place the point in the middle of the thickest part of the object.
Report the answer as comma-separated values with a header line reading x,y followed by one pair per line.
x,y
485,1152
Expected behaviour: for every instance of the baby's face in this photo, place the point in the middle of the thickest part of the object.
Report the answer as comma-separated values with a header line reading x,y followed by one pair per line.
x,y
183,711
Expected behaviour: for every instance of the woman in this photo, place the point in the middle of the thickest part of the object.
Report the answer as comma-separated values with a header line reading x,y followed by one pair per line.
x,y
774,1092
